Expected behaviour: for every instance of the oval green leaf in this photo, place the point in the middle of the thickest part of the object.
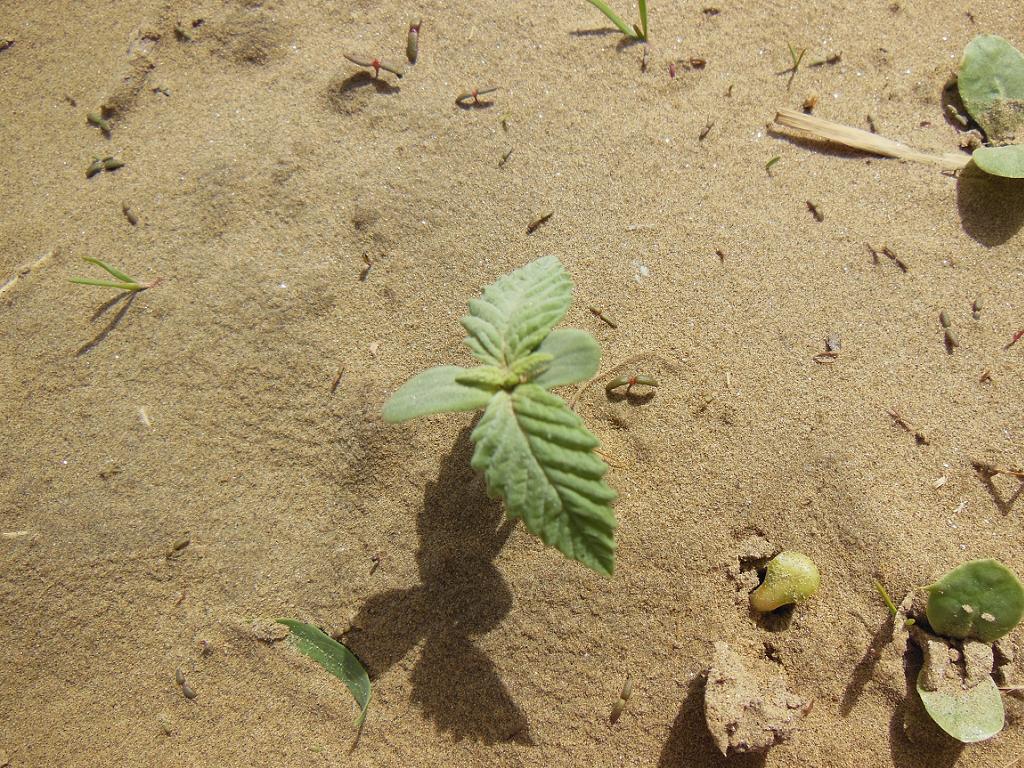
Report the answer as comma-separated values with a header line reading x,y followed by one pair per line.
x,y
970,715
982,599
1005,161
433,391
335,658
576,357
991,85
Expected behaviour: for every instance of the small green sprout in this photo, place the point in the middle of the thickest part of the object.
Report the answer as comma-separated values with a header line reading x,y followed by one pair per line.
x,y
991,85
635,32
124,282
335,658
982,600
532,448
792,577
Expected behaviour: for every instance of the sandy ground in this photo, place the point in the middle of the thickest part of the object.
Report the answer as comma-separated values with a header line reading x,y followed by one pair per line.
x,y
263,173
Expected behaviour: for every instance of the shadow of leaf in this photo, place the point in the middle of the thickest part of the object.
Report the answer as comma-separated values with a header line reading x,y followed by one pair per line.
x,y
127,298
462,595
991,207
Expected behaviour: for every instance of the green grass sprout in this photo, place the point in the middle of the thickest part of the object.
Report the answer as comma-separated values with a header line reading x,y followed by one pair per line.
x,y
634,32
123,283
770,163
335,658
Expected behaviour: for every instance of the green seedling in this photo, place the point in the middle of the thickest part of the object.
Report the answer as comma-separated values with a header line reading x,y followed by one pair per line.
x,y
123,282
991,85
792,577
635,32
533,450
95,118
982,600
629,382
335,658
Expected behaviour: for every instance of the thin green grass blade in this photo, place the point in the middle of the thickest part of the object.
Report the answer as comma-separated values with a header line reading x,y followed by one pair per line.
x,y
643,17
335,658
614,18
112,270
108,284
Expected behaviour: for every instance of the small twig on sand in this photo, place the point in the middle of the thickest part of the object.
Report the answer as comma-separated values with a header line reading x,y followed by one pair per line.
x,y
989,469
919,436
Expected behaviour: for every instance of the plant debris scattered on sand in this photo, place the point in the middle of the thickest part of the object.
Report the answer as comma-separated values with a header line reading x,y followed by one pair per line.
x,y
533,450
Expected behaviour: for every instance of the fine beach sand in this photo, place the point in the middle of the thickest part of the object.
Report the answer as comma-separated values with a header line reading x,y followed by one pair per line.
x,y
264,171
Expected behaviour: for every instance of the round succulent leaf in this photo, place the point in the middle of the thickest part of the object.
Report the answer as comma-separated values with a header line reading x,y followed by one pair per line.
x,y
991,85
982,599
968,715
1005,161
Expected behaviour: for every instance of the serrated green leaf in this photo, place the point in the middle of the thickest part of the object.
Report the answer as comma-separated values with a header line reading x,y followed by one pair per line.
x,y
982,599
537,455
969,715
335,658
576,357
433,391
991,85
515,314
1005,161
487,376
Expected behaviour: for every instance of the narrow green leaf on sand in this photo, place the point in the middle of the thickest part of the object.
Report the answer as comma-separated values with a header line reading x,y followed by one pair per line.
x,y
576,357
515,314
982,599
991,84
968,715
624,28
1005,161
433,391
536,453
335,658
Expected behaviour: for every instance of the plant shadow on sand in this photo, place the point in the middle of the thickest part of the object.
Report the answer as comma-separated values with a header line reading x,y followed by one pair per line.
x,y
462,595
991,207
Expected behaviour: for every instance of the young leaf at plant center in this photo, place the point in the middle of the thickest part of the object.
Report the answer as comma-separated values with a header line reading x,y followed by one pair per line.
x,y
536,454
968,715
335,658
1007,161
991,85
434,391
517,312
982,599
534,451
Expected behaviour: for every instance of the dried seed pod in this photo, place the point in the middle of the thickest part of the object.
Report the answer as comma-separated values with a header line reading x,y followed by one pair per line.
x,y
412,41
944,319
95,118
952,340
976,307
129,214
188,692
792,577
179,676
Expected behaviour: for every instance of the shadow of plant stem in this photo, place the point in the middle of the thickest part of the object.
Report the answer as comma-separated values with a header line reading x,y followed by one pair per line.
x,y
462,595
127,298
364,80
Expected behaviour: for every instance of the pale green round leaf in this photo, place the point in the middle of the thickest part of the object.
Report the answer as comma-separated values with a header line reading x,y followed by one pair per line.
x,y
1005,161
982,599
576,357
968,715
991,85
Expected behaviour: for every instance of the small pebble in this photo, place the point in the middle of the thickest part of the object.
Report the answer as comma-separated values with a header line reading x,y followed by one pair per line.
x,y
832,343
